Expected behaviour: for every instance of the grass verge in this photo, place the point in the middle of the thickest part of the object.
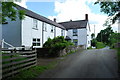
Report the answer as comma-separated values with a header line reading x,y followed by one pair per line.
x,y
33,72
100,45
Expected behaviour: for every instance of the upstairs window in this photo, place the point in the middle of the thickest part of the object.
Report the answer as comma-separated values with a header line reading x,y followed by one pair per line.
x,y
36,42
62,33
45,27
52,30
75,32
35,24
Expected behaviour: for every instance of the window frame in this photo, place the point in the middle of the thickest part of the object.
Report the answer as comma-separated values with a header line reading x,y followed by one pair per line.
x,y
75,32
35,24
36,41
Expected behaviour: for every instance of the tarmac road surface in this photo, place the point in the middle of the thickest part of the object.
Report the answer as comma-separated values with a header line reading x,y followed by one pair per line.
x,y
95,63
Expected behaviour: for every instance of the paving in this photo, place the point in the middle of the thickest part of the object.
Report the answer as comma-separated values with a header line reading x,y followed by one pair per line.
x,y
94,63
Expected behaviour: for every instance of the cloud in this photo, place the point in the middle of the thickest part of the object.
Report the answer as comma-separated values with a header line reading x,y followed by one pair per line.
x,y
76,10
22,3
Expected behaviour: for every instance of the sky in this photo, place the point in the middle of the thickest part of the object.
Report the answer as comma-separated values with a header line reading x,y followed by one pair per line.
x,y
67,10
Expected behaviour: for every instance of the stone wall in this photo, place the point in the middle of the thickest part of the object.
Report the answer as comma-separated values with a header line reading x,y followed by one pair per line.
x,y
43,52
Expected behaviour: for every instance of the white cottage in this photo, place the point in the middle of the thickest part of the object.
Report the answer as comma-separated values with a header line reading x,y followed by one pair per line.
x,y
33,30
78,31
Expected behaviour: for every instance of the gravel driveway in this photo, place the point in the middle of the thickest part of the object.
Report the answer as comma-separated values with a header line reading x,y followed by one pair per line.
x,y
96,63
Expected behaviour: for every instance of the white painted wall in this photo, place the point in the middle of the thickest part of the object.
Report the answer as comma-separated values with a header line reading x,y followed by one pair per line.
x,y
11,32
88,37
82,36
58,31
47,33
28,32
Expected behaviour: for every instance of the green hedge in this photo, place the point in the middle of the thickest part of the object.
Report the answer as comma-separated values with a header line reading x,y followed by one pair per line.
x,y
55,45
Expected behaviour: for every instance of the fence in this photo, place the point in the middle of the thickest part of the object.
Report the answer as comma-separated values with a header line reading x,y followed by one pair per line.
x,y
16,60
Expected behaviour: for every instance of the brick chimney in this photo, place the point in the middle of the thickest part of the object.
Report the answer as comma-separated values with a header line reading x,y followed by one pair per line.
x,y
86,17
54,20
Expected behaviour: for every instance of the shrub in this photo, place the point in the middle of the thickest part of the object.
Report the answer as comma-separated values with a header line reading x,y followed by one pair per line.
x,y
55,45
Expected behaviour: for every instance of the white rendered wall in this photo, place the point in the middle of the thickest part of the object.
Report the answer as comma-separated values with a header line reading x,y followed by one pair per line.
x,y
48,34
88,37
58,31
82,36
11,32
28,32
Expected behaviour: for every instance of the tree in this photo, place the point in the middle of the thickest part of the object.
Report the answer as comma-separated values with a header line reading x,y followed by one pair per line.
x,y
9,11
110,8
92,35
114,38
104,35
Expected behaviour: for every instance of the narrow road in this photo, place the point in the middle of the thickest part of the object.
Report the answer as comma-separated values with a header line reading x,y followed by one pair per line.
x,y
96,63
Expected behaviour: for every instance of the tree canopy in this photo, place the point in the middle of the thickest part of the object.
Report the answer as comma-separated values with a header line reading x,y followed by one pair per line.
x,y
104,35
110,8
9,11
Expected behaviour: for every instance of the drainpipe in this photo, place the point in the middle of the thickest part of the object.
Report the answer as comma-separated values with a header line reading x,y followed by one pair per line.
x,y
42,33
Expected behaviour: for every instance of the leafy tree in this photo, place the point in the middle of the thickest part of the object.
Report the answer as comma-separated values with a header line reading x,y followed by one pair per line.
x,y
92,35
114,38
104,35
110,8
9,11
93,42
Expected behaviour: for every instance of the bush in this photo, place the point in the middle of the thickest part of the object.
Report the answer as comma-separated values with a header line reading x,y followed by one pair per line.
x,y
55,45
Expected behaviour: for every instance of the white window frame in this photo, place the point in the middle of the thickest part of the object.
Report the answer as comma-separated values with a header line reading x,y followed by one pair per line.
x,y
36,42
52,28
75,32
35,24
62,32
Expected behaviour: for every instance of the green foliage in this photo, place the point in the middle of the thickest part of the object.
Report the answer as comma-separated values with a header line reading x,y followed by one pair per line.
x,y
110,8
100,45
89,47
55,45
9,11
104,35
92,35
93,42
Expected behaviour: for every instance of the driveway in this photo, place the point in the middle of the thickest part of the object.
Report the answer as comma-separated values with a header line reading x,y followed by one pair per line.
x,y
96,63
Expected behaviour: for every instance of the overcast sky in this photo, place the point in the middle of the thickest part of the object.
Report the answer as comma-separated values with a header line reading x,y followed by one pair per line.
x,y
64,10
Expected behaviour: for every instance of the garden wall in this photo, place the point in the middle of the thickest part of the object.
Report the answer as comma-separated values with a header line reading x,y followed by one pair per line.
x,y
43,52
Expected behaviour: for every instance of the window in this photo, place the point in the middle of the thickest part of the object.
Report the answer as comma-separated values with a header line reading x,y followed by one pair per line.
x,y
35,24
74,32
75,41
52,28
61,32
45,26
36,42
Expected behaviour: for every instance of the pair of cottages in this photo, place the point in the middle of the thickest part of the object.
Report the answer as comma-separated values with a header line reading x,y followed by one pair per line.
x,y
35,29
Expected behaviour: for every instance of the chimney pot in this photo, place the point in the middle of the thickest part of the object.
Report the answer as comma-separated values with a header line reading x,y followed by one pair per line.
x,y
54,19
86,17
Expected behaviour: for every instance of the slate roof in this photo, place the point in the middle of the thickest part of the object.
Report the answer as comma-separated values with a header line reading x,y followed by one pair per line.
x,y
39,17
75,24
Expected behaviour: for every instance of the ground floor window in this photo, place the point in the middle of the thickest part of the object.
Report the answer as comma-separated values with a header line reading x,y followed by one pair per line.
x,y
36,41
75,41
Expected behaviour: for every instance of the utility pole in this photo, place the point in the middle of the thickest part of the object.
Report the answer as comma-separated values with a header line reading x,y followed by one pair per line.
x,y
94,30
